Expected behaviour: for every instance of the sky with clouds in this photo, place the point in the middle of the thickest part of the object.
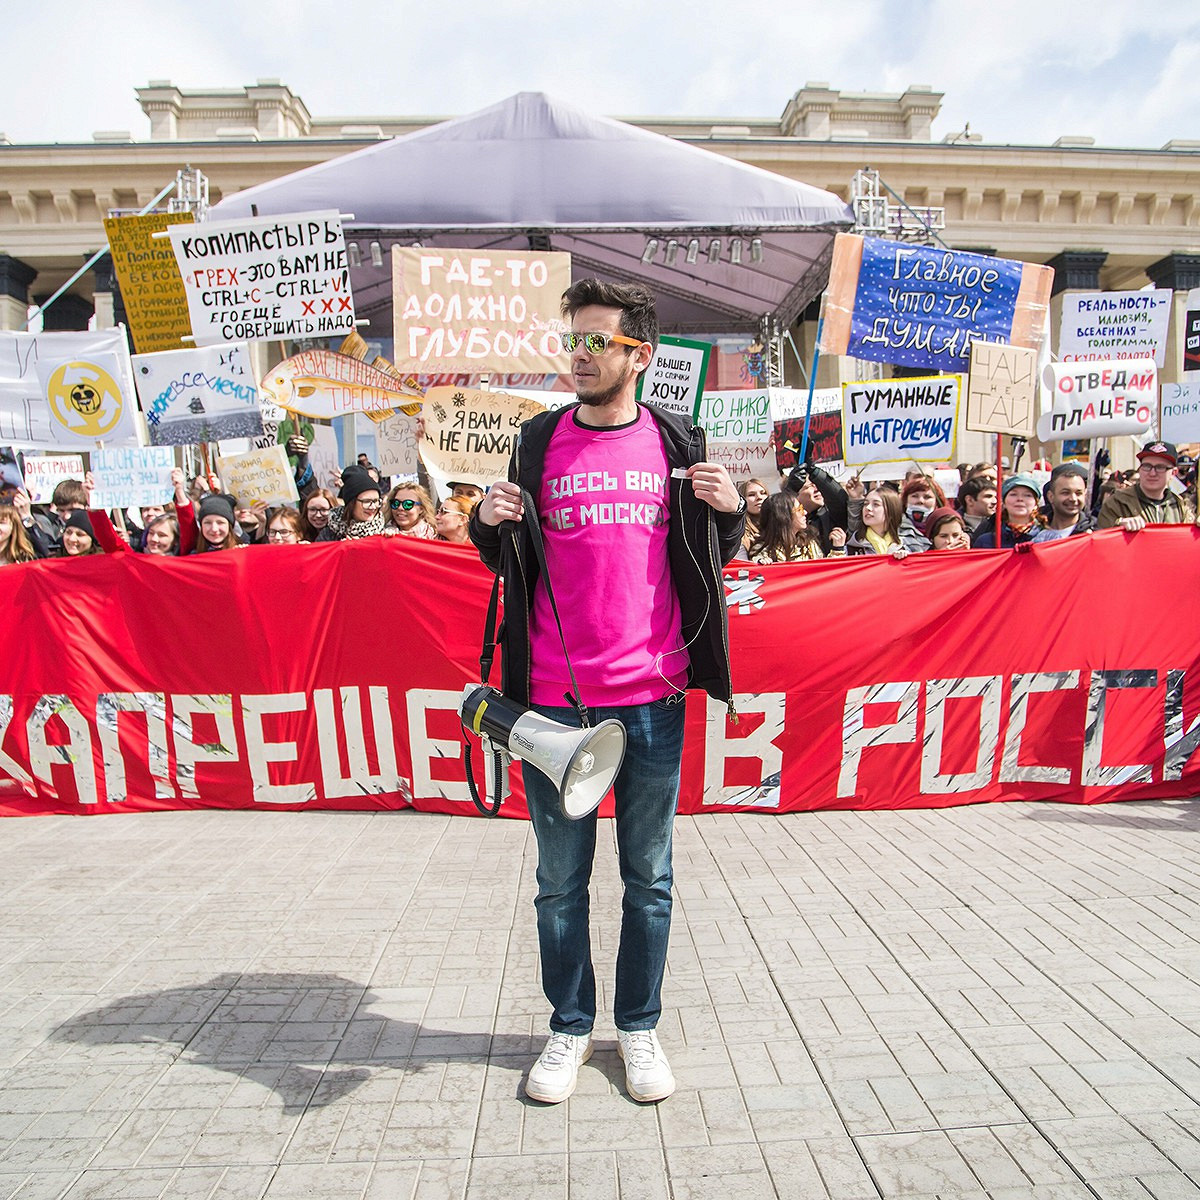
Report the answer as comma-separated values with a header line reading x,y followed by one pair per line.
x,y
1018,71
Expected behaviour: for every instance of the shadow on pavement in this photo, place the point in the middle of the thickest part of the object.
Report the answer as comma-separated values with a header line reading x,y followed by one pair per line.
x,y
310,1038
1174,816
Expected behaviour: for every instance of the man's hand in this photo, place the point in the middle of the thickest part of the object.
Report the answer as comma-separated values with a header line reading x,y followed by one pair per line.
x,y
711,483
502,503
1132,524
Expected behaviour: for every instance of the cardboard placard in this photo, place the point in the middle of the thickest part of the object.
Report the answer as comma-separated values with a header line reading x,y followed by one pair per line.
x,y
469,434
1097,399
44,472
1180,412
900,420
674,380
1110,326
264,475
195,396
469,311
736,416
1001,389
923,306
151,288
396,445
132,478
325,384
265,278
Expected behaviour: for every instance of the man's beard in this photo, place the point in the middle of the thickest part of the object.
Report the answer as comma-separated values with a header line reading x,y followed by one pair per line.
x,y
599,399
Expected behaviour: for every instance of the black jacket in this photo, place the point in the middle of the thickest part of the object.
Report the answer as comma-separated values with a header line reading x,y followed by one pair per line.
x,y
699,542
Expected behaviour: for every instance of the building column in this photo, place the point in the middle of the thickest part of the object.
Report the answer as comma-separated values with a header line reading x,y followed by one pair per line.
x,y
15,278
110,308
1180,272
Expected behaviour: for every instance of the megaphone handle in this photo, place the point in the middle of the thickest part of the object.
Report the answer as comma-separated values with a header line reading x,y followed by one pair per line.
x,y
498,798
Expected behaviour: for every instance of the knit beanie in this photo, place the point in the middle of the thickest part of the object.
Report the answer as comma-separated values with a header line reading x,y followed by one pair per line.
x,y
78,519
355,481
216,504
938,517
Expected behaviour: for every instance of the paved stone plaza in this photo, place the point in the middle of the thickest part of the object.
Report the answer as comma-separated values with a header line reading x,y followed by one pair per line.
x,y
994,1001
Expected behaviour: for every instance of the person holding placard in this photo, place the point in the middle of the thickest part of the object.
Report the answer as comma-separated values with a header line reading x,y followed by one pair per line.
x,y
636,525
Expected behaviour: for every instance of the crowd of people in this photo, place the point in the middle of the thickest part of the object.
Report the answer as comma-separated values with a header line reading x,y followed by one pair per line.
x,y
199,519
809,515
814,515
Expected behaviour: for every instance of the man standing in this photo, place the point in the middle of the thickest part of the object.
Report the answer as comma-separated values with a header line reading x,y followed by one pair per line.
x,y
1150,501
636,527
1066,504
977,501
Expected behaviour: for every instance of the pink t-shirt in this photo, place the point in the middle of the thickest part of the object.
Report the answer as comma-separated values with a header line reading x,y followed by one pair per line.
x,y
604,512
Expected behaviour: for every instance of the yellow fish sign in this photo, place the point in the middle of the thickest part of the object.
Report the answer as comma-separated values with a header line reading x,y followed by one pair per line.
x,y
322,383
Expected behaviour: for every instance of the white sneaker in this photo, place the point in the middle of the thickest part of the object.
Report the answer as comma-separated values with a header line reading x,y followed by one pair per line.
x,y
647,1073
553,1077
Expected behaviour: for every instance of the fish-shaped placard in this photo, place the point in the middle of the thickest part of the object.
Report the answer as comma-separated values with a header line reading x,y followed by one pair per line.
x,y
322,383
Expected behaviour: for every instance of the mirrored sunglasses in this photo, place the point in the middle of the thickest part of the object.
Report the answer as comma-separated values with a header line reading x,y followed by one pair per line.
x,y
594,343
407,505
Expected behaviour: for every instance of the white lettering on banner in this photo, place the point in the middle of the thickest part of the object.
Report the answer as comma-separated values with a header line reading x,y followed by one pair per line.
x,y
260,753
153,707
907,713
913,700
189,752
759,745
357,779
76,753
425,750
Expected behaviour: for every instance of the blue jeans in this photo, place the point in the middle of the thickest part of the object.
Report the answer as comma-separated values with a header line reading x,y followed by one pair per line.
x,y
646,792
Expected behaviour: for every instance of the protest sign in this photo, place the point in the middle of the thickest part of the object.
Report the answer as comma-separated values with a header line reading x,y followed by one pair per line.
x,y
1107,326
322,383
67,389
1191,334
478,310
922,306
264,475
132,478
736,416
674,380
745,460
151,289
469,435
900,420
43,473
1180,412
788,409
396,445
194,396
1097,399
1001,389
265,278
10,468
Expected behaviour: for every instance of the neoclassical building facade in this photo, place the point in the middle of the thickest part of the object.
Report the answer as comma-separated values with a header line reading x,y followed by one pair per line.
x,y
1105,218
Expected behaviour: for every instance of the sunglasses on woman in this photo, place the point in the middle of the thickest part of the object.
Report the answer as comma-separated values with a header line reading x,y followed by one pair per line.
x,y
594,343
407,505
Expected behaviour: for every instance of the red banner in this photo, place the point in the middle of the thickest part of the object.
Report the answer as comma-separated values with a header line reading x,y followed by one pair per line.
x,y
328,677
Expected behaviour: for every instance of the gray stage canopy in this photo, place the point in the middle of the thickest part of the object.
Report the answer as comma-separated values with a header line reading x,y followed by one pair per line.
x,y
533,172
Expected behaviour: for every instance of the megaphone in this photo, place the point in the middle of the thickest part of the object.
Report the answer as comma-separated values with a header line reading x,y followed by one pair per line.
x,y
581,763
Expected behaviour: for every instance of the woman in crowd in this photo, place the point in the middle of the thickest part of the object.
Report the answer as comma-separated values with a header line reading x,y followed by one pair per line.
x,y
218,524
359,516
314,512
452,517
881,526
1022,518
285,527
920,496
251,522
159,537
15,546
410,512
946,530
754,492
783,533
